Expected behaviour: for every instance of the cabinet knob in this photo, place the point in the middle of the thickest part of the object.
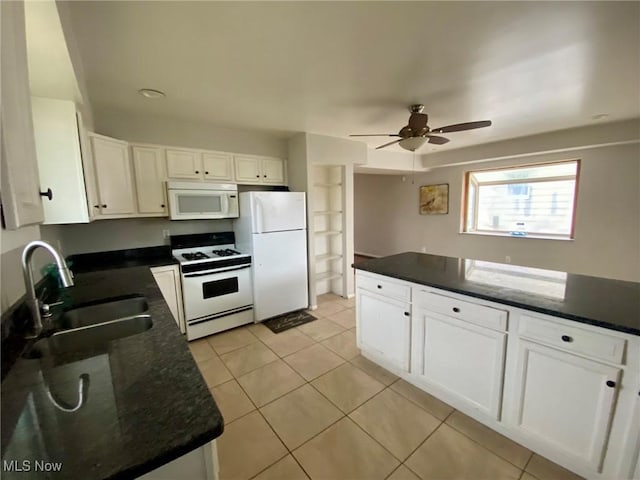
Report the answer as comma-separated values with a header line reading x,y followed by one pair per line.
x,y
162,205
379,286
611,383
197,171
104,205
406,314
96,206
456,309
257,176
264,176
48,194
206,173
566,338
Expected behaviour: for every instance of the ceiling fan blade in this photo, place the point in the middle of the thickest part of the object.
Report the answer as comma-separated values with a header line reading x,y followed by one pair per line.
x,y
459,127
417,121
387,144
376,135
437,140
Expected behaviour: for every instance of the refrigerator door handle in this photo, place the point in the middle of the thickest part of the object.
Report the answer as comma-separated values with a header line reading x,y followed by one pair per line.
x,y
258,226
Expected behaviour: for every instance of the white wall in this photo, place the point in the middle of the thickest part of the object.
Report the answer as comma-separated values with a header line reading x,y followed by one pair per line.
x,y
136,127
106,235
607,228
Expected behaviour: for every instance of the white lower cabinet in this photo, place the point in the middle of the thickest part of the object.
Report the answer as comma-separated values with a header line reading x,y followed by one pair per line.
x,y
384,327
462,358
566,390
565,401
168,280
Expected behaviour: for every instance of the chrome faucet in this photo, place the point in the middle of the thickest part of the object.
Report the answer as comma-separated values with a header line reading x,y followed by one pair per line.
x,y
34,304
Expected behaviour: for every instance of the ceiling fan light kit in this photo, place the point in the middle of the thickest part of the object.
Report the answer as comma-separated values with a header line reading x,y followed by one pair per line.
x,y
412,143
416,133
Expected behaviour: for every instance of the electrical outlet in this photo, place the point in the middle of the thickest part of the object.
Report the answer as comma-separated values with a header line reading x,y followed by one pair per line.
x,y
166,233
507,259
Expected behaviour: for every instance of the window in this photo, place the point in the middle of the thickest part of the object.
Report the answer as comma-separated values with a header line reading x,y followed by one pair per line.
x,y
530,200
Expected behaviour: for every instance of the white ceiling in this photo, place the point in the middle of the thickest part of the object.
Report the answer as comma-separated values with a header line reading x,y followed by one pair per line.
x,y
336,68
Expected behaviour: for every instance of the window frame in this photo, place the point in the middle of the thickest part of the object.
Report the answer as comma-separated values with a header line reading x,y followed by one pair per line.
x,y
468,179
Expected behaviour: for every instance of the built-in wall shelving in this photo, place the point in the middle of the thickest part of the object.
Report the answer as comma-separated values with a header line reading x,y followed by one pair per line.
x,y
328,228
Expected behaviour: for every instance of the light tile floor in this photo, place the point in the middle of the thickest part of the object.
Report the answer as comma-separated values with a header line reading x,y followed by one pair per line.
x,y
304,404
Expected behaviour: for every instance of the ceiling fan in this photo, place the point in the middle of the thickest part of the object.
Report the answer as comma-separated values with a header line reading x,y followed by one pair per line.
x,y
416,133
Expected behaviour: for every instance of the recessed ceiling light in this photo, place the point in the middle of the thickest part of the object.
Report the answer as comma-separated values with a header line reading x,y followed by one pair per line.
x,y
599,116
151,93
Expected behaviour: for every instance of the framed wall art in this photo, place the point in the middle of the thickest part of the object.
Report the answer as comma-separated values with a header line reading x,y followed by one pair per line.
x,y
434,199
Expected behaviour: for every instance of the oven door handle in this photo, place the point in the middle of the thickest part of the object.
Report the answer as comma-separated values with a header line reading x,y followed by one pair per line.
x,y
209,272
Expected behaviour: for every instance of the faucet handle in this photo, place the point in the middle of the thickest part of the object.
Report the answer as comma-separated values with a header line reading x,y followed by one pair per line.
x,y
45,308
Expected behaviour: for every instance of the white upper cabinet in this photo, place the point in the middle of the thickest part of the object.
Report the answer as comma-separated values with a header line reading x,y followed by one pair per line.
x,y
247,169
253,169
273,171
184,164
21,202
150,178
60,160
113,172
217,166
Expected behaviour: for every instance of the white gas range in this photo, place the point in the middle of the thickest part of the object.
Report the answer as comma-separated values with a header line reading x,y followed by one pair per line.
x,y
216,282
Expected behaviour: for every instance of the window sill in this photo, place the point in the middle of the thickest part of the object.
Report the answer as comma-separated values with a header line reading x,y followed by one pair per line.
x,y
507,235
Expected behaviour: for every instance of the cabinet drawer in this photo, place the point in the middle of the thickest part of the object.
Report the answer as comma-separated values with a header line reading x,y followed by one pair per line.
x,y
470,312
382,286
573,339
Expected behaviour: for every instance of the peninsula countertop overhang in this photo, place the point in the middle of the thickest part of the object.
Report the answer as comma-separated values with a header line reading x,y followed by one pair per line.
x,y
606,303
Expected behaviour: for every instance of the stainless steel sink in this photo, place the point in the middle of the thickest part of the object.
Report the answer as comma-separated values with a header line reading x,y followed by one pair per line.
x,y
91,337
105,311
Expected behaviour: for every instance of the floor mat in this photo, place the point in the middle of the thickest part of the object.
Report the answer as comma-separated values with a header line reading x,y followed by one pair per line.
x,y
288,320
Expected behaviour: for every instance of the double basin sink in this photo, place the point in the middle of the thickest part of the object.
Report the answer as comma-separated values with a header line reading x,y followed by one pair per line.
x,y
91,327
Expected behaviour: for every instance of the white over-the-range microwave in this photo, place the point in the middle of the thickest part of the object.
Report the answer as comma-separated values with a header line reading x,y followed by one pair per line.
x,y
201,200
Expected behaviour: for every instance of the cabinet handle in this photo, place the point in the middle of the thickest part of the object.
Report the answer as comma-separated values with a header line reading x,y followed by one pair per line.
x,y
611,383
48,194
456,309
566,338
406,314
379,286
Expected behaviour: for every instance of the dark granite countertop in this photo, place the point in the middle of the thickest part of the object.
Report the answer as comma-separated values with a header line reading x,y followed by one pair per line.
x,y
612,304
147,403
133,257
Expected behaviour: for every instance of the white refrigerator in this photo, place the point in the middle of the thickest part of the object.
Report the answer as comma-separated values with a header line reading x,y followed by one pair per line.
x,y
273,227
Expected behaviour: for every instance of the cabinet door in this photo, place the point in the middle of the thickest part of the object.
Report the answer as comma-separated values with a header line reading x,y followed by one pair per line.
x,y
273,171
168,282
247,169
462,358
565,401
59,160
218,166
383,327
184,164
21,201
149,167
113,172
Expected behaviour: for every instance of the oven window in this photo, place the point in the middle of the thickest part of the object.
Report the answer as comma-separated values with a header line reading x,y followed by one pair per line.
x,y
218,288
199,203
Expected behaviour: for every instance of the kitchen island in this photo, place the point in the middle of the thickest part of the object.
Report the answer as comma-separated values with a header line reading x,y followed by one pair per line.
x,y
549,359
145,403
